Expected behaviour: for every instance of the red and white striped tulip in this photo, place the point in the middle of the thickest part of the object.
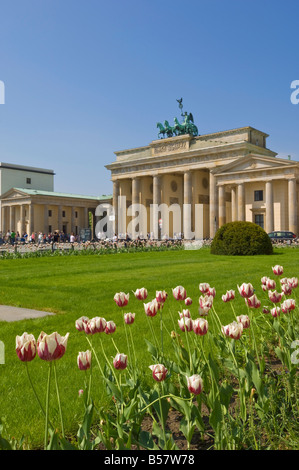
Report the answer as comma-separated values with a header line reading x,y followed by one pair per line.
x,y
234,330
275,296
253,302
264,280
200,326
95,325
288,305
185,313
51,347
151,308
270,284
121,299
211,291
188,301
246,290
206,302
84,360
81,322
204,287
179,293
244,319
110,327
275,312
195,384
293,282
26,347
286,289
185,324
141,294
161,296
129,318
230,295
277,270
159,372
120,361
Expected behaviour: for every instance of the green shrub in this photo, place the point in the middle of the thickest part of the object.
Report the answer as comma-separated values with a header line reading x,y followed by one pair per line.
x,y
241,238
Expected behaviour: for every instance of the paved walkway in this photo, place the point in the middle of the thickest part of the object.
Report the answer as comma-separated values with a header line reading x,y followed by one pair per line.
x,y
15,313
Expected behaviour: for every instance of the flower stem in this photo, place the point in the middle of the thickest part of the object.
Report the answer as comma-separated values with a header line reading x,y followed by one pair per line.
x,y
58,399
47,406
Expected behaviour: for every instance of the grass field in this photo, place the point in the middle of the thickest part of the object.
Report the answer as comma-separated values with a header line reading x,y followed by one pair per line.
x,y
85,285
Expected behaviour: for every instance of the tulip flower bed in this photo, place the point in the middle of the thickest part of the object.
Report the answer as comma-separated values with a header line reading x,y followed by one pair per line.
x,y
210,362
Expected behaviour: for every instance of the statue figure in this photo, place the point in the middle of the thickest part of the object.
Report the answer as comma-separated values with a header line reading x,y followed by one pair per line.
x,y
168,129
186,127
162,130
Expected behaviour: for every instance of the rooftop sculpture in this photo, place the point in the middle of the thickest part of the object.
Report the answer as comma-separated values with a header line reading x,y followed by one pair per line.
x,y
185,127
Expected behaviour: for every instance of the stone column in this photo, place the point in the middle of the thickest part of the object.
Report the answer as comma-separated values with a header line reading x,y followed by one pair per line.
x,y
59,223
22,219
86,221
241,202
46,219
135,190
31,218
156,202
213,206
234,203
293,206
269,207
222,205
115,205
12,218
187,208
73,222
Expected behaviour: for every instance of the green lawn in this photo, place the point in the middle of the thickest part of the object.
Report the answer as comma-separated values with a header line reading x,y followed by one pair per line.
x,y
85,285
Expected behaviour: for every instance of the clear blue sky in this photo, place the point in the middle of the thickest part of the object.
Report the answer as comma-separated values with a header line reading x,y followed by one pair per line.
x,y
84,79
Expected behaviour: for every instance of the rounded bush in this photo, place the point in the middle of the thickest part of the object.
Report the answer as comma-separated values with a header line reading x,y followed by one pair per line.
x,y
240,239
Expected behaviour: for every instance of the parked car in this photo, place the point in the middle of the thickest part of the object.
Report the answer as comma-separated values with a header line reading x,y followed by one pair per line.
x,y
282,235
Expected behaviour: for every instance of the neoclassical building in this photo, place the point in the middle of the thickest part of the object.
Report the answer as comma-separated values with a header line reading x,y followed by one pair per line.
x,y
220,177
29,203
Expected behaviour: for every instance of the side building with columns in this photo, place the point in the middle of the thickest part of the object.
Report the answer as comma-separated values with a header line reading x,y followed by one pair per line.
x,y
29,204
213,179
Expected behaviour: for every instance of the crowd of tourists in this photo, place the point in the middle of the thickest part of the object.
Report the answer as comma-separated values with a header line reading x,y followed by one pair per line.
x,y
13,238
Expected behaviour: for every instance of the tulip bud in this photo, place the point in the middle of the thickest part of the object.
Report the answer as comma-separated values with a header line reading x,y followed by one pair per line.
x,y
246,290
179,293
275,296
159,372
230,295
151,308
121,299
51,347
26,347
161,296
288,305
141,294
277,270
84,360
185,313
129,318
188,301
185,324
234,330
275,312
244,319
200,326
95,325
253,302
204,287
270,284
120,361
195,384
81,322
110,327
